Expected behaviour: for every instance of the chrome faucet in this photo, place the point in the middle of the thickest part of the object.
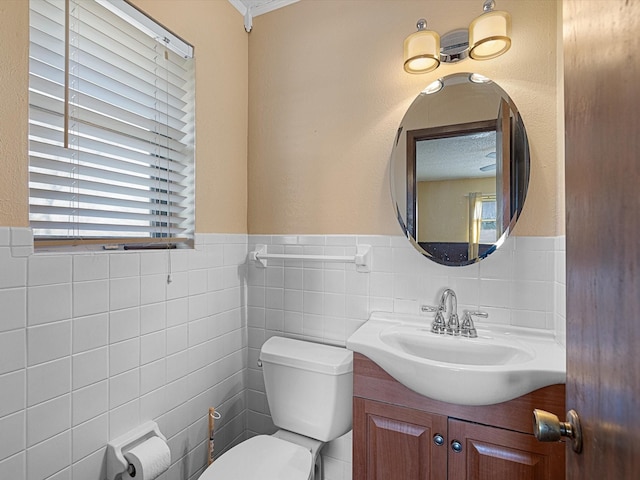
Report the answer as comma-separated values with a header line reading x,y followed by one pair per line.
x,y
452,326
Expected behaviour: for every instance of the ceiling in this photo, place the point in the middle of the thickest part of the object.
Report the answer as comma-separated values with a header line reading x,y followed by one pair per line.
x,y
465,156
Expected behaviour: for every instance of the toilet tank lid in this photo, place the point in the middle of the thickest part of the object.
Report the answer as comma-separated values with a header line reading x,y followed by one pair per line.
x,y
305,355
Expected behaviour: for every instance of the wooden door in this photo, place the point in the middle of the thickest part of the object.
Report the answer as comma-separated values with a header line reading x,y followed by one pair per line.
x,y
602,120
392,442
490,453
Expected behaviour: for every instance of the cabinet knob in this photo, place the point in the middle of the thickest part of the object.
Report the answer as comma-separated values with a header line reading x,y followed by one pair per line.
x,y
438,439
456,446
547,428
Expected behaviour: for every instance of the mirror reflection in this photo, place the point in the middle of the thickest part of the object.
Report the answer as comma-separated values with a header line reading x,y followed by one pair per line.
x,y
460,169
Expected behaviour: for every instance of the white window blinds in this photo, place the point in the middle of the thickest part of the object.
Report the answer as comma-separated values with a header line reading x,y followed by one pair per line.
x,y
111,125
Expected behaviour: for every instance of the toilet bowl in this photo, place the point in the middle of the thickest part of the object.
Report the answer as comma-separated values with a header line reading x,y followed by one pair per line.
x,y
264,457
309,388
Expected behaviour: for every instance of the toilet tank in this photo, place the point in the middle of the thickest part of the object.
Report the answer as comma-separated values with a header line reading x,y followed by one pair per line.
x,y
309,387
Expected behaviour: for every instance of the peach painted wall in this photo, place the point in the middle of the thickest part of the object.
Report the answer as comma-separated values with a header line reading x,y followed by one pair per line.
x,y
444,204
327,92
14,101
216,30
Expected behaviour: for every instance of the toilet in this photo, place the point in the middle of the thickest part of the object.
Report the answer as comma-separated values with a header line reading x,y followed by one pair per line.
x,y
309,388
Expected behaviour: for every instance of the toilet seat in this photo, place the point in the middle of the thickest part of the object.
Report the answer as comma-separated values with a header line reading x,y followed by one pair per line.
x,y
262,457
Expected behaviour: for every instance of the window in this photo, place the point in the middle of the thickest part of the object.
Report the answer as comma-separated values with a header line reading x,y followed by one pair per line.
x,y
111,125
488,231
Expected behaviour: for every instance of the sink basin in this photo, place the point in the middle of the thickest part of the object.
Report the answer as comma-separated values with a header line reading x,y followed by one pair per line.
x,y
503,363
455,350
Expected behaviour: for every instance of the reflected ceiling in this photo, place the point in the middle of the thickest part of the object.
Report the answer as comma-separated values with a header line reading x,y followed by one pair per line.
x,y
468,156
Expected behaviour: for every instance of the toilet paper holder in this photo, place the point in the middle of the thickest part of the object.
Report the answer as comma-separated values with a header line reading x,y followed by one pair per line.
x,y
116,463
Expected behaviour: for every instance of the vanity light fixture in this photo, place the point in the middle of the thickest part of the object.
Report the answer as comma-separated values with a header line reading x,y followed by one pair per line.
x,y
422,50
488,36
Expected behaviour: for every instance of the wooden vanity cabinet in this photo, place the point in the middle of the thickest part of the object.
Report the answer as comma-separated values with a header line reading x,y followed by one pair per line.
x,y
397,432
392,442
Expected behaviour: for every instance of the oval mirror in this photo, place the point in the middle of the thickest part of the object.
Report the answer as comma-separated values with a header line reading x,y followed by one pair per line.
x,y
460,169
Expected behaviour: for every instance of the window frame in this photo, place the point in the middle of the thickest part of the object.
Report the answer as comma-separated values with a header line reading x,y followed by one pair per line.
x,y
170,46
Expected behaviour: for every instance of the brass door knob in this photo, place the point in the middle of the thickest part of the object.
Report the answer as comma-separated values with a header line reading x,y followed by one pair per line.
x,y
548,428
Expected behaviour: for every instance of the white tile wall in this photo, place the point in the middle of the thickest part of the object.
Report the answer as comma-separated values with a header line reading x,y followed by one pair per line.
x,y
92,344
520,284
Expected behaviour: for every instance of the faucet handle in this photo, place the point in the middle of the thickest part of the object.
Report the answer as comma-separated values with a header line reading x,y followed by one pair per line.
x,y
439,326
468,329
428,308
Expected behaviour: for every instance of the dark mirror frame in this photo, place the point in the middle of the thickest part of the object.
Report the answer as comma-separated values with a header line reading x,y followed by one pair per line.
x,y
415,136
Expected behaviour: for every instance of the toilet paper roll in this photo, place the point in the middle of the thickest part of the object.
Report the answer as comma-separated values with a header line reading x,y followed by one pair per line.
x,y
150,459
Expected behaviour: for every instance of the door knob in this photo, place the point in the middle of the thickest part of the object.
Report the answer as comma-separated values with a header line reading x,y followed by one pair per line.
x,y
548,428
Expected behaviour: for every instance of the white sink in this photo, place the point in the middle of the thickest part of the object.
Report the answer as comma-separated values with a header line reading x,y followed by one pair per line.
x,y
420,342
503,363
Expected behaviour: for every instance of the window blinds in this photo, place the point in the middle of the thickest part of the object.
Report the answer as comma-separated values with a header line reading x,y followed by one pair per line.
x,y
111,126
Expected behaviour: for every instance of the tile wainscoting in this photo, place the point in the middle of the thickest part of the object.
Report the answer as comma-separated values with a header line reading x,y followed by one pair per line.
x,y
92,344
520,284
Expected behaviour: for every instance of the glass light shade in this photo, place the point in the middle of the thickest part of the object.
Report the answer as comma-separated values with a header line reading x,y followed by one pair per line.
x,y
422,52
490,35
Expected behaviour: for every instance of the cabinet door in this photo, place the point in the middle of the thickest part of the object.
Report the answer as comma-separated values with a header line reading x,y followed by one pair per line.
x,y
391,442
490,453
